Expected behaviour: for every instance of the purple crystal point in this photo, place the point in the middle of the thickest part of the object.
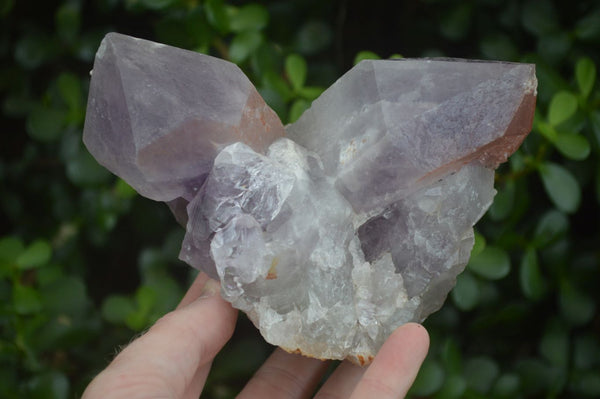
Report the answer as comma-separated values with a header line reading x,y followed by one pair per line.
x,y
388,127
158,115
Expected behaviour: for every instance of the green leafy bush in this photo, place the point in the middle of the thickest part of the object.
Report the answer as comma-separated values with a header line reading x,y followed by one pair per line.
x,y
522,321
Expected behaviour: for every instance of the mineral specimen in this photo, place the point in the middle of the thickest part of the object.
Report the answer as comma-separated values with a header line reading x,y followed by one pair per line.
x,y
356,222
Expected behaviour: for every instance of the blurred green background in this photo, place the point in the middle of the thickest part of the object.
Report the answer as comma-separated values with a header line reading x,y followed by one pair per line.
x,y
85,263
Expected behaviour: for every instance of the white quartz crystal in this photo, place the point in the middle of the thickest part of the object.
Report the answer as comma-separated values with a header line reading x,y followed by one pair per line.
x,y
313,274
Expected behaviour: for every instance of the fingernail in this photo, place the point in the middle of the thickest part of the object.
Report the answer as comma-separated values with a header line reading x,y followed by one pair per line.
x,y
211,287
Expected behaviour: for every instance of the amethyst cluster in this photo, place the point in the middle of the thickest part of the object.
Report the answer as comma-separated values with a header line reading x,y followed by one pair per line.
x,y
332,231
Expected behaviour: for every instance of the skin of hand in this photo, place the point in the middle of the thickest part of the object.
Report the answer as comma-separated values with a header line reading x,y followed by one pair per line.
x,y
172,360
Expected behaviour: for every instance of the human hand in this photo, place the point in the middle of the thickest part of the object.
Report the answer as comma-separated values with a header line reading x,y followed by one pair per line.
x,y
173,358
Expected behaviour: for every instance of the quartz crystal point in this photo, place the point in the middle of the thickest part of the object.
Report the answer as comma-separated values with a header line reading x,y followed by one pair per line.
x,y
355,223
158,115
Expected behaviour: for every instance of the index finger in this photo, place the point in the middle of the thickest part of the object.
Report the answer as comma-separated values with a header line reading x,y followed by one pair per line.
x,y
167,358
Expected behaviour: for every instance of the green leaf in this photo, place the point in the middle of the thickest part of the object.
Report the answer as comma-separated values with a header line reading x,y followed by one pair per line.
x,y
429,380
37,254
10,248
546,130
297,109
573,146
503,201
169,292
295,68
532,282
310,93
145,298
244,44
492,263
552,226
365,55
217,15
267,59
585,74
124,190
65,296
465,293
479,244
481,373
562,106
70,89
562,188
45,124
26,299
137,320
275,82
117,308
576,306
49,274
249,17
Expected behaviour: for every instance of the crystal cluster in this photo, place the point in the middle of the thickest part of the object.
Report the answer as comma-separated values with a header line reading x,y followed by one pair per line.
x,y
334,231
